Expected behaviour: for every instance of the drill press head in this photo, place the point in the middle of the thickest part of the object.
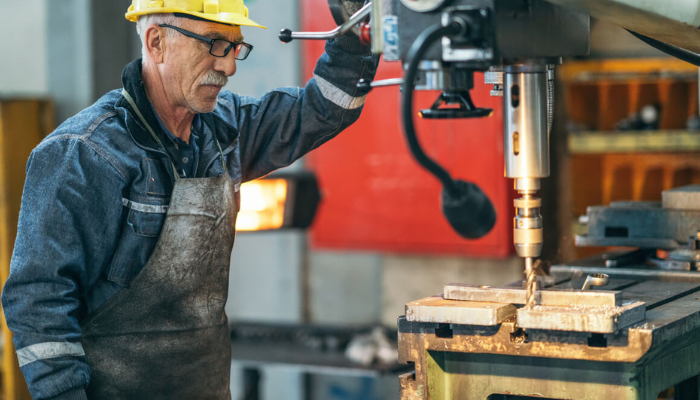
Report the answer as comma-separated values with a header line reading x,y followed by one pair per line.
x,y
526,105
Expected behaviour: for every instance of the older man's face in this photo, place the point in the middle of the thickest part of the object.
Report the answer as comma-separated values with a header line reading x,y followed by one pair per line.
x,y
193,78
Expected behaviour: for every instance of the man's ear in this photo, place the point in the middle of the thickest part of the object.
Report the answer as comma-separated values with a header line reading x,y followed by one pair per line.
x,y
155,45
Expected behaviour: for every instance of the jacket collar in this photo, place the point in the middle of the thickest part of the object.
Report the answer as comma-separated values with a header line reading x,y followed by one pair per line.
x,y
132,81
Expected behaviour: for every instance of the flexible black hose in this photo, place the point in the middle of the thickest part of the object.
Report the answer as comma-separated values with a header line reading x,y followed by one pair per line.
x,y
671,50
415,54
467,208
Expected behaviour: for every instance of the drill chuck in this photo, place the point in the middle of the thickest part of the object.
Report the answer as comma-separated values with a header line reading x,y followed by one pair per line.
x,y
527,231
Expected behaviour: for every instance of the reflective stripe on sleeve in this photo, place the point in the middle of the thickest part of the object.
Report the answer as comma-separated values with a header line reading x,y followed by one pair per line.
x,y
43,351
147,208
337,96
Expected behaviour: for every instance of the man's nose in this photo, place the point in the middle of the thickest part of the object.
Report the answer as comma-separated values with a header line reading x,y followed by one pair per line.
x,y
226,65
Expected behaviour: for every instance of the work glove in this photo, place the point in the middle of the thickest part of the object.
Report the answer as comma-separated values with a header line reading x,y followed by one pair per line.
x,y
350,42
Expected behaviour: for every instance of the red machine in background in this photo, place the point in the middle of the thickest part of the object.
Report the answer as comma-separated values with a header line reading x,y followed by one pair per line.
x,y
374,195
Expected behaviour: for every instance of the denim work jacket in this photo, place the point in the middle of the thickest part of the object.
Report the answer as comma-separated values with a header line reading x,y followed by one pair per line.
x,y
97,190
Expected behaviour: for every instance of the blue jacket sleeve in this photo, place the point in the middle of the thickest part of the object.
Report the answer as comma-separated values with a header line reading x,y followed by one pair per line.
x,y
64,240
287,123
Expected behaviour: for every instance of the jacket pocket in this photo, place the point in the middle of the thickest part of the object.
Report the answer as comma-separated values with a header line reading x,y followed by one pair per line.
x,y
139,235
146,224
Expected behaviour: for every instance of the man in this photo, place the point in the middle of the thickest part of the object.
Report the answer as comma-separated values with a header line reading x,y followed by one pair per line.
x,y
120,269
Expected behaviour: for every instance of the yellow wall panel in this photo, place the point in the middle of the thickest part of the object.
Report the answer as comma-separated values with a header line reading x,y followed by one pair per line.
x,y
23,123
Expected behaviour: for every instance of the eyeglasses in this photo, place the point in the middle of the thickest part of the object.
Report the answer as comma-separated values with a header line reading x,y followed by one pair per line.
x,y
218,47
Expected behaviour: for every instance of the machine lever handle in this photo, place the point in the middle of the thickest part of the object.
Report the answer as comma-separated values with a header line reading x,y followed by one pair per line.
x,y
364,83
286,35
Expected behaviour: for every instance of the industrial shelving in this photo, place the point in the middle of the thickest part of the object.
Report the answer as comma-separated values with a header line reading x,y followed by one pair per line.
x,y
605,158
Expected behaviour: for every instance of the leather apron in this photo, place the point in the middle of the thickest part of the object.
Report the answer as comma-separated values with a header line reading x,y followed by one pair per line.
x,y
167,336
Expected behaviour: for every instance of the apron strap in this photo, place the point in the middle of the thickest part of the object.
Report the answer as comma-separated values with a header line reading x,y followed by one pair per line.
x,y
131,102
221,152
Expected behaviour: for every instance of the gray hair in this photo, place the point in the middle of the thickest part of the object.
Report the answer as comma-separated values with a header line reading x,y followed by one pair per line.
x,y
144,21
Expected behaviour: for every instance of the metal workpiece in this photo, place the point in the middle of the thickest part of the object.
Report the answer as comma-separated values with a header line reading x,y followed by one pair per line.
x,y
582,319
672,313
546,296
437,309
638,362
681,198
548,309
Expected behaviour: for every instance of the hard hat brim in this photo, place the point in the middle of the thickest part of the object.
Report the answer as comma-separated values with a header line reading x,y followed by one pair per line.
x,y
223,18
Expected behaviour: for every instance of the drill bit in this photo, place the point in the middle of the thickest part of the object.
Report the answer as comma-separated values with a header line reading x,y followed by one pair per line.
x,y
530,282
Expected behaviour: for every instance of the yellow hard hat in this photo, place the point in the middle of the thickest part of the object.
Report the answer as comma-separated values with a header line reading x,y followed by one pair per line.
x,y
231,12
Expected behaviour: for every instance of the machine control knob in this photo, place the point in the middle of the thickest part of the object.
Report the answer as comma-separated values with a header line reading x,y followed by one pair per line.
x,y
285,35
365,33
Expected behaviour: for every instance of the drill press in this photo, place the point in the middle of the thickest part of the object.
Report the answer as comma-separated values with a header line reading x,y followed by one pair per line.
x,y
630,341
527,100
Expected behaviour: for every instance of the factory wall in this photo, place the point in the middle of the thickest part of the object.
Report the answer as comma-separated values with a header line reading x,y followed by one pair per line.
x,y
69,56
23,63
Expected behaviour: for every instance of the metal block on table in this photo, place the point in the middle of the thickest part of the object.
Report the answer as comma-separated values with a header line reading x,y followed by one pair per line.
x,y
437,309
682,198
643,224
547,297
582,319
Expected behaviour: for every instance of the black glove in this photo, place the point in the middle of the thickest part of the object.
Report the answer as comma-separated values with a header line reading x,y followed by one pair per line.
x,y
353,6
350,42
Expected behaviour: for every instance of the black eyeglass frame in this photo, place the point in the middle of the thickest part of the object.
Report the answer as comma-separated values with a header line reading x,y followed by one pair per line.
x,y
211,42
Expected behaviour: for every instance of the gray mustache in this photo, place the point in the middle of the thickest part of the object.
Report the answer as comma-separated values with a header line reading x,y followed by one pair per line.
x,y
214,78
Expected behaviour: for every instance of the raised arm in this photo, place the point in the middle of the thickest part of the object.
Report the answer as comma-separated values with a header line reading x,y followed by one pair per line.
x,y
287,123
